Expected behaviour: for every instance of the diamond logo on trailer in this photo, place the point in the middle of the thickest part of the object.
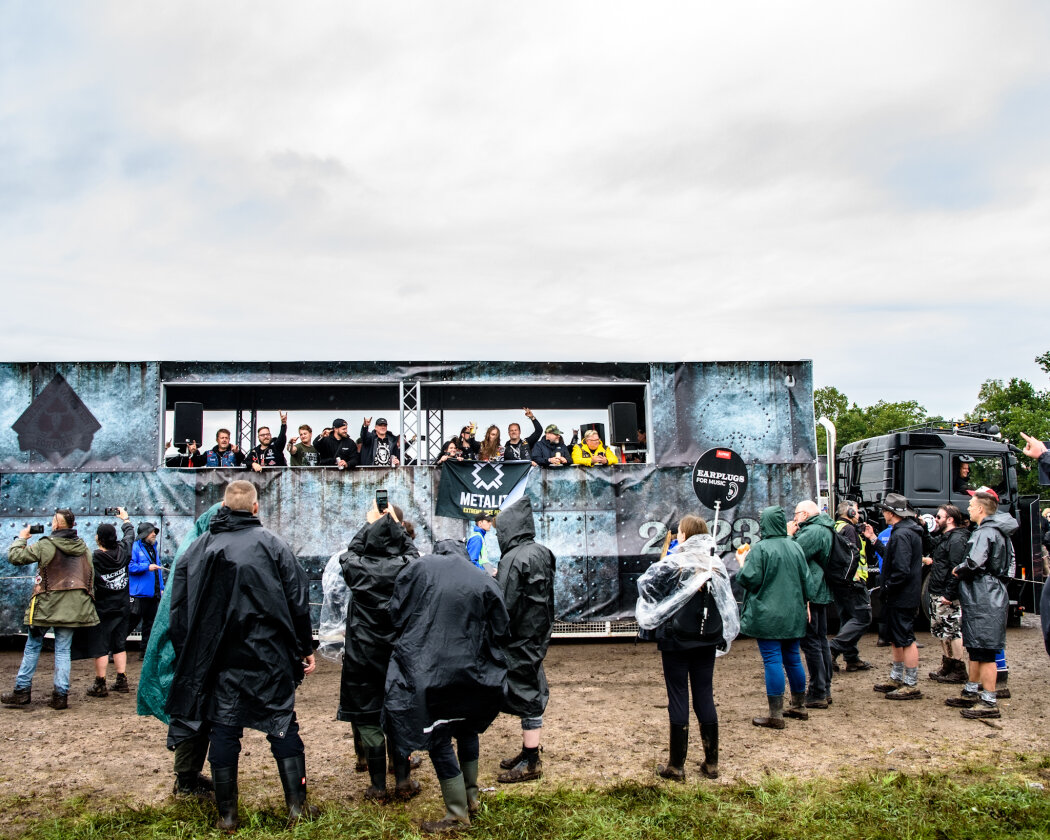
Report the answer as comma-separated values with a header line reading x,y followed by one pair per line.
x,y
494,469
56,423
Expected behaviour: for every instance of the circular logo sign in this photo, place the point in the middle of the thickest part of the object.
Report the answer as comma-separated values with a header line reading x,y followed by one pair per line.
x,y
719,475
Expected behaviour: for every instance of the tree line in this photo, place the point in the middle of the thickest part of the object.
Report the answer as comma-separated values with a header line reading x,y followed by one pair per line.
x,y
1015,406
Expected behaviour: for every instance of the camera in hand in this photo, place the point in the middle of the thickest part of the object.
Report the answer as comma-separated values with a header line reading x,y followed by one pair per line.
x,y
112,511
36,529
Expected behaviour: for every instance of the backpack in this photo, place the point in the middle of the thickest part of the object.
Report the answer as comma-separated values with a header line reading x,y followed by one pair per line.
x,y
843,560
699,620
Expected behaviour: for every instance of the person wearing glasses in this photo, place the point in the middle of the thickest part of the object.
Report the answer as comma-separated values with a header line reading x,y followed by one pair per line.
x,y
61,600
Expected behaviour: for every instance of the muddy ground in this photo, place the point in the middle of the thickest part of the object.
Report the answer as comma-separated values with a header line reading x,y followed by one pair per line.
x,y
607,722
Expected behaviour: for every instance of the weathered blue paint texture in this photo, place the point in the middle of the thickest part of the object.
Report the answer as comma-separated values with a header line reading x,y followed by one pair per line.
x,y
604,526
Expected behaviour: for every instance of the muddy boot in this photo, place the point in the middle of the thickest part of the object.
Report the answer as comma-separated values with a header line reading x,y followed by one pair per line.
x,y
376,759
1002,692
530,767
514,760
59,700
470,781
360,752
943,671
225,779
775,720
120,684
98,689
457,809
193,783
957,674
18,697
293,780
405,787
675,767
966,699
709,738
797,709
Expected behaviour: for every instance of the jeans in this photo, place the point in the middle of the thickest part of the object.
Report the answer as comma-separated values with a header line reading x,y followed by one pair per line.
x,y
441,756
818,652
854,606
779,655
685,667
35,641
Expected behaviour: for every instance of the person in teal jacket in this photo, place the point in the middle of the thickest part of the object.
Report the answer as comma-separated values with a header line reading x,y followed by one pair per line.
x,y
812,530
776,584
158,670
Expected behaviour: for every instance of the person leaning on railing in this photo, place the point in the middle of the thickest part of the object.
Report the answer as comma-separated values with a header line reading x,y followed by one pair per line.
x,y
592,452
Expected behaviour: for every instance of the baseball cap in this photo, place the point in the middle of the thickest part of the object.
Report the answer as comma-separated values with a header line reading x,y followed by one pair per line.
x,y
381,421
552,429
338,423
987,490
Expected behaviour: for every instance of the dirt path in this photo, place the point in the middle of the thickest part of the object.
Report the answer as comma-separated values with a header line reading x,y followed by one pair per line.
x,y
606,722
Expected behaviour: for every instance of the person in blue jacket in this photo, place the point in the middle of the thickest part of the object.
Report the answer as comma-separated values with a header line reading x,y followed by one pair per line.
x,y
476,540
145,579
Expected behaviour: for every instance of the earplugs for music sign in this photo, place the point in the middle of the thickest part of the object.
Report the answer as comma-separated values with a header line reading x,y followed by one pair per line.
x,y
719,479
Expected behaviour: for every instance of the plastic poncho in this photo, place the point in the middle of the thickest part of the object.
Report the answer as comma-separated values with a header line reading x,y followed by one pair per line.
x,y
158,665
526,578
669,584
448,662
331,630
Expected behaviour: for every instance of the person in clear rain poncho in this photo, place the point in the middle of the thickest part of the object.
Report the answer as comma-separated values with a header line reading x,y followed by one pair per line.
x,y
686,599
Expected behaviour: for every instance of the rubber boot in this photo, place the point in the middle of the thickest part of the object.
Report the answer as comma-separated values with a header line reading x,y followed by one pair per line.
x,y
405,787
18,697
98,689
225,779
709,738
944,670
797,709
359,751
457,812
470,780
376,759
293,779
775,719
675,767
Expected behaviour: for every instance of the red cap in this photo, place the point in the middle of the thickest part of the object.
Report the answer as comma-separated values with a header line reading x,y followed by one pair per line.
x,y
987,490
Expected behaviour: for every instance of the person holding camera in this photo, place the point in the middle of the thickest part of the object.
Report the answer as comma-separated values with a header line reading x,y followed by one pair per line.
x,y
61,600
109,636
145,581
851,599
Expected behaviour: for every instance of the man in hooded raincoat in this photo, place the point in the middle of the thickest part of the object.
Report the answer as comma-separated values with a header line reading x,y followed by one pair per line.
x,y
240,627
526,577
984,600
448,671
376,556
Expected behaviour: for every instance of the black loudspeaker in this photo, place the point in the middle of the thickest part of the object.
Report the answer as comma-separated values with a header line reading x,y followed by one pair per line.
x,y
598,427
623,417
189,424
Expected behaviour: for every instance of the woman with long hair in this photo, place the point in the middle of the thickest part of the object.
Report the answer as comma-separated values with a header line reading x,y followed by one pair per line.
x,y
490,446
687,600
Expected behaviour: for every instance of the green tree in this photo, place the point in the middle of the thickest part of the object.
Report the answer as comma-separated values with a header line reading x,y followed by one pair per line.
x,y
1017,406
852,422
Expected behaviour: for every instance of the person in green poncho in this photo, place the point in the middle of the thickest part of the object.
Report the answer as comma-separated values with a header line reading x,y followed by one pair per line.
x,y
158,669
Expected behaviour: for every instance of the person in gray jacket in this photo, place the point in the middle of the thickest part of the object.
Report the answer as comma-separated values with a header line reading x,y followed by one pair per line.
x,y
984,600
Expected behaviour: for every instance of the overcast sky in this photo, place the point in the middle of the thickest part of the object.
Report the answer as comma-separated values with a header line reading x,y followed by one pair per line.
x,y
864,185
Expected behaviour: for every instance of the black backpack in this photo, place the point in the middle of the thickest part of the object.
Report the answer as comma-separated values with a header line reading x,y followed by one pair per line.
x,y
699,620
843,561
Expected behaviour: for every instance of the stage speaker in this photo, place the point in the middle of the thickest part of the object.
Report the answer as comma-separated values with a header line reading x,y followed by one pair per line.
x,y
598,427
623,417
189,424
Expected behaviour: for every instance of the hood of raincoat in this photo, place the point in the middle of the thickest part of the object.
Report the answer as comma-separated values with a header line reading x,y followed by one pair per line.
x,y
1002,522
383,538
515,525
772,522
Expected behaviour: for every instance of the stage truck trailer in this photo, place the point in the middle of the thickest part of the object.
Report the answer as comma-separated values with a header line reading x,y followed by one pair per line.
x,y
91,436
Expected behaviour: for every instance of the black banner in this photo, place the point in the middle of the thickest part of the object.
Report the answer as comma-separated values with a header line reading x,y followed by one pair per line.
x,y
470,488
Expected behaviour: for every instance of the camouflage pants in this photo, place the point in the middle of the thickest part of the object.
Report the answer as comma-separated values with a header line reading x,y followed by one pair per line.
x,y
945,619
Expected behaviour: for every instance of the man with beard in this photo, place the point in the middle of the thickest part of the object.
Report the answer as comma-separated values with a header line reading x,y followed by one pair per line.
x,y
223,454
376,556
378,448
982,580
526,578
240,627
270,450
949,551
901,586
447,673
517,449
337,449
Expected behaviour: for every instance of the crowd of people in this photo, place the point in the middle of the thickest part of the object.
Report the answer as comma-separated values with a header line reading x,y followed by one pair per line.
x,y
379,447
434,648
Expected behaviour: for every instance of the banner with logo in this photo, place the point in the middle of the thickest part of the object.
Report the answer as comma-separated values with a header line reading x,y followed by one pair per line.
x,y
470,488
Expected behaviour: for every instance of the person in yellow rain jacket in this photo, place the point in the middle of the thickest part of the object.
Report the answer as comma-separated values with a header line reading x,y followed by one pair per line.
x,y
592,452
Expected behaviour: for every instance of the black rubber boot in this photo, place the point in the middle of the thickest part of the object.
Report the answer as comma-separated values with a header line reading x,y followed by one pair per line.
x,y
376,759
225,779
457,814
709,738
675,767
405,786
293,780
359,751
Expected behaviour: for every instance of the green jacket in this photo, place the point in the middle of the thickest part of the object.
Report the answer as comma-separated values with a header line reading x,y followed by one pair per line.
x,y
776,581
64,608
814,538
158,665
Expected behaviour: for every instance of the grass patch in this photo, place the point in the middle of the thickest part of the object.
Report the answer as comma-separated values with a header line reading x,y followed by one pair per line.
x,y
935,806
